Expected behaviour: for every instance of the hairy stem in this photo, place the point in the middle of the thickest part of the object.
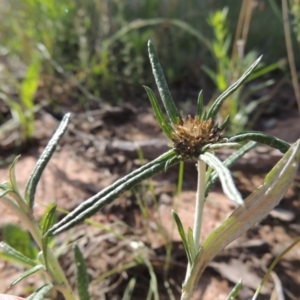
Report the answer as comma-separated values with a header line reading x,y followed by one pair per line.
x,y
200,198
55,271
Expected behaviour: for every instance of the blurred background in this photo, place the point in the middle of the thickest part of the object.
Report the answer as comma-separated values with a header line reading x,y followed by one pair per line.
x,y
90,53
90,57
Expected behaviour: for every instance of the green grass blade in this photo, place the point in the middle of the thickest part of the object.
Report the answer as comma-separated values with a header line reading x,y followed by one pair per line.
x,y
162,85
228,185
235,291
264,70
43,161
183,236
212,74
200,105
218,102
162,121
153,286
82,278
29,85
262,138
272,266
107,195
129,289
140,23
28,273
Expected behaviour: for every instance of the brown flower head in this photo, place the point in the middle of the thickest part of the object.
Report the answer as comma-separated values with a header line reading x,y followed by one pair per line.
x,y
191,134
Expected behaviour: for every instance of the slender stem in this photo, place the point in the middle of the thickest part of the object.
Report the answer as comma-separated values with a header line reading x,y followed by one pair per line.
x,y
55,271
200,198
274,263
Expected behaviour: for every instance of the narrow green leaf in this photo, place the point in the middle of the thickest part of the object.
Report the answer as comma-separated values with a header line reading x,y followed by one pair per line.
x,y
20,240
225,123
82,278
228,163
43,161
227,182
44,221
28,89
107,195
212,74
13,185
200,105
180,179
48,221
12,254
30,83
18,112
170,162
235,291
3,193
12,174
263,70
183,236
153,286
136,24
191,243
50,240
49,218
219,146
262,138
28,273
41,292
256,207
5,186
40,258
218,102
162,121
162,85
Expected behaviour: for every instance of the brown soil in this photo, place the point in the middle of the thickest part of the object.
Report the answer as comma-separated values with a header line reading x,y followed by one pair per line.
x,y
92,155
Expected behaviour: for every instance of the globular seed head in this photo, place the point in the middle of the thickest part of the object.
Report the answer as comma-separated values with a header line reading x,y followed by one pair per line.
x,y
191,134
